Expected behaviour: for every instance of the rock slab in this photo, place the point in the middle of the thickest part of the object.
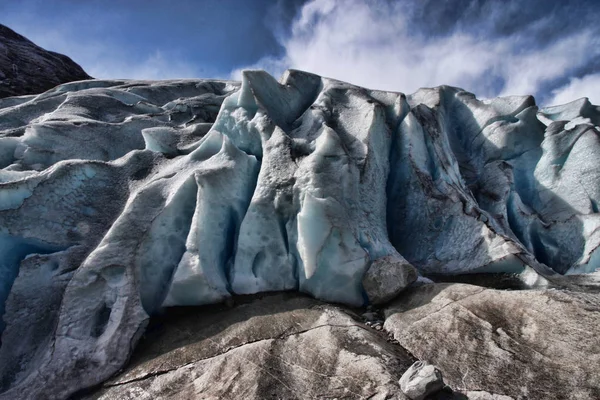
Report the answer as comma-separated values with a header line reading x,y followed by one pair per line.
x,y
277,346
529,344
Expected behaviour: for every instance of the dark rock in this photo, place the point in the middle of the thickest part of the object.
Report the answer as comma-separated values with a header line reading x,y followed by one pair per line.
x,y
386,277
26,68
421,380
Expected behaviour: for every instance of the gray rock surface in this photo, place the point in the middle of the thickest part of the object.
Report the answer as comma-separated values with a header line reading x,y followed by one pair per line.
x,y
280,346
421,380
482,395
27,69
530,344
386,277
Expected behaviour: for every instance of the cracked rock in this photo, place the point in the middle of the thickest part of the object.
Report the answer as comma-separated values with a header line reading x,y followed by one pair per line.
x,y
527,344
280,346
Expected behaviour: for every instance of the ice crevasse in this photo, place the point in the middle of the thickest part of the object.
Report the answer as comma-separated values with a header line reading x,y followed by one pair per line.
x,y
120,198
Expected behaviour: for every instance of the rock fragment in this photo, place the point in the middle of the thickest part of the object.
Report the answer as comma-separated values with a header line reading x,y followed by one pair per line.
x,y
421,380
387,277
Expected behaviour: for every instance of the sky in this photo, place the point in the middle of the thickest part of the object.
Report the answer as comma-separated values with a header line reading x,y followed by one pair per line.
x,y
547,48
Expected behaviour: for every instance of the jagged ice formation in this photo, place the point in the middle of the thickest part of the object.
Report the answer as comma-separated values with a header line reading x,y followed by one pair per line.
x,y
118,198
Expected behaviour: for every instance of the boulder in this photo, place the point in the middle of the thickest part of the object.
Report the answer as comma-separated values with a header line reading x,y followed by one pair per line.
x,y
421,380
386,277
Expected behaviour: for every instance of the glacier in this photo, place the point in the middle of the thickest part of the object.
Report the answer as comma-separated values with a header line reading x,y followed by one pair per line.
x,y
121,198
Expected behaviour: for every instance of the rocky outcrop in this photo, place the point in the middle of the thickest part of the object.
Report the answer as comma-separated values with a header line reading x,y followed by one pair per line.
x,y
488,344
27,69
279,346
530,344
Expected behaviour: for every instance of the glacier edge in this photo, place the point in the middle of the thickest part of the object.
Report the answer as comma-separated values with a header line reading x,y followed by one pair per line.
x,y
154,194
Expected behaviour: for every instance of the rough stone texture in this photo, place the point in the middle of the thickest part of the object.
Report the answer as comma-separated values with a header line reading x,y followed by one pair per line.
x,y
282,346
421,380
482,395
530,344
386,277
27,69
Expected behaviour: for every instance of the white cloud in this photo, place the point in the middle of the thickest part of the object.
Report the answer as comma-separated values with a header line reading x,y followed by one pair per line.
x,y
372,44
526,72
153,66
588,86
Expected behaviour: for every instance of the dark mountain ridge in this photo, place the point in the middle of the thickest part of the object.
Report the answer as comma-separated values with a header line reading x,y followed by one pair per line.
x,y
26,68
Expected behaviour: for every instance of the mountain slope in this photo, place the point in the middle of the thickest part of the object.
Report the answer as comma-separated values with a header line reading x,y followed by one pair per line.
x,y
26,68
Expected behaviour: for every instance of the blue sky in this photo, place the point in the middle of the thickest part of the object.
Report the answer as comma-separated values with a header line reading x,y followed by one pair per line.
x,y
543,47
